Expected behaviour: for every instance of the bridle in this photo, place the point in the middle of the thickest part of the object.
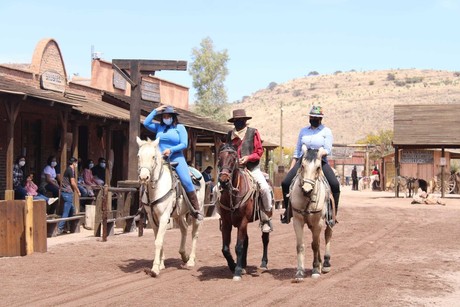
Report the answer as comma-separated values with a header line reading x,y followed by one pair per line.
x,y
228,170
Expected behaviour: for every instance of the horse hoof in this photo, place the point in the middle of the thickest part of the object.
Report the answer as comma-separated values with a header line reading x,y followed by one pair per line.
x,y
236,278
315,275
326,269
243,272
263,269
298,280
190,264
150,273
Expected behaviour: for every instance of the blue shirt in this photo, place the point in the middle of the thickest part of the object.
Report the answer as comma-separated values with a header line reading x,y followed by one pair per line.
x,y
314,138
172,137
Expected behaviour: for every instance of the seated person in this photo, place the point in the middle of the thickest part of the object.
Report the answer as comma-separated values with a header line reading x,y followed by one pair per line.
x,y
32,190
49,177
99,171
207,176
18,178
88,174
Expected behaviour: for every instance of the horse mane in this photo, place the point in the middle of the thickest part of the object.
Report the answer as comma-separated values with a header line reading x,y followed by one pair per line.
x,y
311,154
227,147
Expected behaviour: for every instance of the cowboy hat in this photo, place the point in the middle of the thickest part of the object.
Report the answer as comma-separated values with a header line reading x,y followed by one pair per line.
x,y
239,114
166,110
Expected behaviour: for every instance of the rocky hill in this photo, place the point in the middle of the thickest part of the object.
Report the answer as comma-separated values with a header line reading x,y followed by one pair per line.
x,y
355,103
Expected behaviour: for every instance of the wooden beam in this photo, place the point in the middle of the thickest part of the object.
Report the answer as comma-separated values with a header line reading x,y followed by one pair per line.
x,y
150,66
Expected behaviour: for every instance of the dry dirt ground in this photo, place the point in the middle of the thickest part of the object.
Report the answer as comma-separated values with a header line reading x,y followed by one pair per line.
x,y
385,252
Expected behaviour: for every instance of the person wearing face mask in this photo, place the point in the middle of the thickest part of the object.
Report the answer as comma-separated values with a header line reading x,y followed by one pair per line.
x,y
68,188
99,171
173,140
49,182
314,136
18,178
248,144
88,177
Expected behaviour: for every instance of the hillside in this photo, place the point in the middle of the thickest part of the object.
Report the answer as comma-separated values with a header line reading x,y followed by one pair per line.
x,y
355,103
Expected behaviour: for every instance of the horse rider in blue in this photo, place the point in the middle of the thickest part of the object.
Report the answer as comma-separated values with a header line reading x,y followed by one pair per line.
x,y
314,136
173,140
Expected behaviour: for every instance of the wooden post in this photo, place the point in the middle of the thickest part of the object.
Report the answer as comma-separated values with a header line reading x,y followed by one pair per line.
x,y
104,212
397,171
29,224
12,110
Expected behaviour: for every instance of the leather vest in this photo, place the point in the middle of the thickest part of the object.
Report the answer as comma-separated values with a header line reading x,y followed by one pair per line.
x,y
247,147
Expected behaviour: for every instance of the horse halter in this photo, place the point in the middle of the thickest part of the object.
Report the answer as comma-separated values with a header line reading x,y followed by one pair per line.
x,y
226,170
151,170
312,182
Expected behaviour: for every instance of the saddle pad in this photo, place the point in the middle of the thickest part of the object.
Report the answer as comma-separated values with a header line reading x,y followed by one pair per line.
x,y
195,173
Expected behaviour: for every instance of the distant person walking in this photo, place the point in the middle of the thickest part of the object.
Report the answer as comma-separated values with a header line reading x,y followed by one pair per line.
x,y
354,179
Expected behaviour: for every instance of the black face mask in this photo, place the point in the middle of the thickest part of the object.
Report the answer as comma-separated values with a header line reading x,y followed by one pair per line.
x,y
315,122
239,124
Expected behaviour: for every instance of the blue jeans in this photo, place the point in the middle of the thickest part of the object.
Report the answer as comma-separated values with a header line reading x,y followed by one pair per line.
x,y
41,196
69,208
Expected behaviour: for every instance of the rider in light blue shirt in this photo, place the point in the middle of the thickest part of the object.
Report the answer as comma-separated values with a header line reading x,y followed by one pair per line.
x,y
173,140
313,136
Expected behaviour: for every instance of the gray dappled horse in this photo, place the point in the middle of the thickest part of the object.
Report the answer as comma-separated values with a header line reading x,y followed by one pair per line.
x,y
161,202
309,197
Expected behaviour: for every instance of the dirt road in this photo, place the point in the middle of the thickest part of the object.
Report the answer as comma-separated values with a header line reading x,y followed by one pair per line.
x,y
385,252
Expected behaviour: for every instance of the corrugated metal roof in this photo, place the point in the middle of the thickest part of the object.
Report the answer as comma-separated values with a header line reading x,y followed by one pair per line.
x,y
12,86
424,126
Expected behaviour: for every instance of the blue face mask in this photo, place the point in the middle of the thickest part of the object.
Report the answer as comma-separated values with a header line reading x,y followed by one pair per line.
x,y
167,121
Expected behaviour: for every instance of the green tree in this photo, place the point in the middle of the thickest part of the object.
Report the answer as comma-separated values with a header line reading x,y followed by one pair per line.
x,y
209,70
381,141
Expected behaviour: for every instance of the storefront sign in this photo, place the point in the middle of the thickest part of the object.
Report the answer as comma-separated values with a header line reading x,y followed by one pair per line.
x,y
53,81
417,156
150,91
118,81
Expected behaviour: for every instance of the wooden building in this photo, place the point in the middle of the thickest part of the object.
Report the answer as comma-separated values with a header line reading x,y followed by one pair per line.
x,y
422,135
42,113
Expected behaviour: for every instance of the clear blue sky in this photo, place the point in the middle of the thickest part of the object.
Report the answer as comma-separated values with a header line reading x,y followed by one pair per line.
x,y
267,40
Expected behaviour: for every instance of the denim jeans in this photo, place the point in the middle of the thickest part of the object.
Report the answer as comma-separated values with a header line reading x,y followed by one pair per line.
x,y
69,208
41,196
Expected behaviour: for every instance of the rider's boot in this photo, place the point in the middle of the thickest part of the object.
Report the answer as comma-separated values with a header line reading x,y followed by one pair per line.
x,y
196,213
286,217
266,221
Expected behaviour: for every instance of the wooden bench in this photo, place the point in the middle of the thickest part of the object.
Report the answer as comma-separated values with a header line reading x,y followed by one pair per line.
x,y
74,223
129,226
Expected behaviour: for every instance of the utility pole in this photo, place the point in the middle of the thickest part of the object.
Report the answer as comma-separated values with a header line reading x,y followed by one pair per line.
x,y
281,134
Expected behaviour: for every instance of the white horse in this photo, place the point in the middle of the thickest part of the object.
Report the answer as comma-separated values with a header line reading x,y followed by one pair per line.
x,y
309,197
161,201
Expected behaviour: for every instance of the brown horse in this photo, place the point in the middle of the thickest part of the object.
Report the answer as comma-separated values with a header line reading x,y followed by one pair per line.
x,y
236,203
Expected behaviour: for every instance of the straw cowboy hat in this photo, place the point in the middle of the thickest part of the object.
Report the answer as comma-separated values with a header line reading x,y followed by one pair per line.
x,y
167,110
239,114
316,111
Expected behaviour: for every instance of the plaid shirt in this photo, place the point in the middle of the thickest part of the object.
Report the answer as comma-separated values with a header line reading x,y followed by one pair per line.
x,y
18,176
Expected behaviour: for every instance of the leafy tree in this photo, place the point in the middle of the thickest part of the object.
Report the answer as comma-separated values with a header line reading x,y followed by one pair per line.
x,y
381,141
209,70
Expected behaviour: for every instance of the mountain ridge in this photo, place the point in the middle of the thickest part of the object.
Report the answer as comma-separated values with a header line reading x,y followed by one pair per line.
x,y
355,103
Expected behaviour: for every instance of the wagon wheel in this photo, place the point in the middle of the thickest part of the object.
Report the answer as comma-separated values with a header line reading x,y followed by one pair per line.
x,y
449,183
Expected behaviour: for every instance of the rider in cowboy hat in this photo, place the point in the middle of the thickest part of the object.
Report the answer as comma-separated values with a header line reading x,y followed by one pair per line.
x,y
173,140
248,144
314,136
